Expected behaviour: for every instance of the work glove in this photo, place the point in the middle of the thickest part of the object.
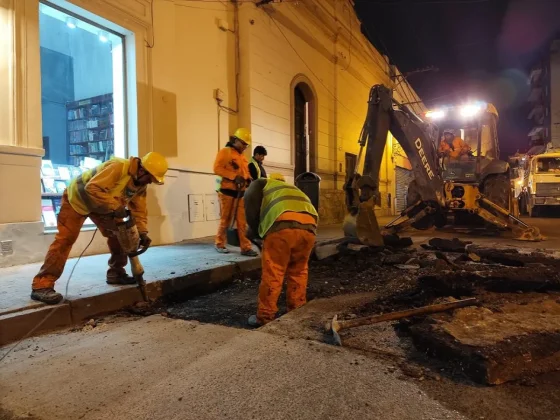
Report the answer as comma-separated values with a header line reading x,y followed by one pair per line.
x,y
145,240
239,182
120,213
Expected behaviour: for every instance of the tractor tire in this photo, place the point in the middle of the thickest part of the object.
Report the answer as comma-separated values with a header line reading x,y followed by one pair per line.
x,y
497,189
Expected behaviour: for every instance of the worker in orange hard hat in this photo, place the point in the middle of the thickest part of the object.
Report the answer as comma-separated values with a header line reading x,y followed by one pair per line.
x,y
284,217
102,194
232,170
453,146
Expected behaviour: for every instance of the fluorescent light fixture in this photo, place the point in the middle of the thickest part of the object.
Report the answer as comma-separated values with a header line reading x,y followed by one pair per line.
x,y
436,114
103,36
71,22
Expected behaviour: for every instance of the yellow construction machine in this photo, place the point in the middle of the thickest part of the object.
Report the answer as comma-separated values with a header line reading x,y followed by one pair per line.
x,y
474,190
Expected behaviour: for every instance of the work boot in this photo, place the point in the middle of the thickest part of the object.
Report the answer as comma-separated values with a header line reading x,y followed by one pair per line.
x,y
222,250
253,321
249,253
120,279
48,296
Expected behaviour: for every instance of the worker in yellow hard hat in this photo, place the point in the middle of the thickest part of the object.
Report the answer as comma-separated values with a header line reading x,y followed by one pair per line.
x,y
283,217
233,177
102,194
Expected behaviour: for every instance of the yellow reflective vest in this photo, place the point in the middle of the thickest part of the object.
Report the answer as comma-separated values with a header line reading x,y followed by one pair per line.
x,y
257,167
278,198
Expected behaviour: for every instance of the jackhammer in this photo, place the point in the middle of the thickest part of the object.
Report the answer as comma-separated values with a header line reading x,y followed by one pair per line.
x,y
129,239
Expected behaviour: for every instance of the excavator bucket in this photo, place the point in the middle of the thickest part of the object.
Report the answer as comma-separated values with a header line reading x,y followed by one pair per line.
x,y
530,234
363,225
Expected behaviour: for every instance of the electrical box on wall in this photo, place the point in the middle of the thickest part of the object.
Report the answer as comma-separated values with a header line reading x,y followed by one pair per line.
x,y
212,207
218,95
196,208
223,25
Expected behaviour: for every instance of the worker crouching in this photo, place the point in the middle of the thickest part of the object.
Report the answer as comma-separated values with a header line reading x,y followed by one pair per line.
x,y
102,194
283,216
232,170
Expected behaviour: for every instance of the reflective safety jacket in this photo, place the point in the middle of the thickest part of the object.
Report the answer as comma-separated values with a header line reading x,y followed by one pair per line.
x,y
230,163
272,205
107,187
456,149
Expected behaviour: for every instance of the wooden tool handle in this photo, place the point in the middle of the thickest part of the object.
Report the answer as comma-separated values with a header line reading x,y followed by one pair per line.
x,y
392,316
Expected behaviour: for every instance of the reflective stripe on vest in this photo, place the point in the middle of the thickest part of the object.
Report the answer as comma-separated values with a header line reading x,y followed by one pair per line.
x,y
79,198
254,162
278,198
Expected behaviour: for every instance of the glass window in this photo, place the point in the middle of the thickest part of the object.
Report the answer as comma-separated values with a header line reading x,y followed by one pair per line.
x,y
548,165
82,97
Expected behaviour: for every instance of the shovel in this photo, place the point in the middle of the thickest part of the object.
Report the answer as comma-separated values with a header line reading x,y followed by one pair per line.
x,y
232,234
335,325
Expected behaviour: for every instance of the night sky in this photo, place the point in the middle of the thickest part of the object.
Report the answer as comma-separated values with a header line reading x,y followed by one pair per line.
x,y
483,49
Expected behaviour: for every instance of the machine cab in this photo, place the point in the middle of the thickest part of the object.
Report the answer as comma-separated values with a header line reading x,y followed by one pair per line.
x,y
467,140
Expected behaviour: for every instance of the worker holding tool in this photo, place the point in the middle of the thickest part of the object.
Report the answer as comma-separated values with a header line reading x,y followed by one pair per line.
x,y
256,168
102,194
453,146
283,216
232,170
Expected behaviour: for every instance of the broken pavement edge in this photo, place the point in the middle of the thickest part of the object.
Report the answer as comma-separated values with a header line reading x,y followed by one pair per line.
x,y
17,325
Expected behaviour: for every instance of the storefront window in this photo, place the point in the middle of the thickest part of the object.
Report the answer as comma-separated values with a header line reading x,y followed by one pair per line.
x,y
82,91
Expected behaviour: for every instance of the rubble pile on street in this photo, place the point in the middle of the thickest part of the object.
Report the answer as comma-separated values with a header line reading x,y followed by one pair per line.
x,y
514,332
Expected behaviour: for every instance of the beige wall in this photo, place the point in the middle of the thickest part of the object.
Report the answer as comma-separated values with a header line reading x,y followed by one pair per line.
x,y
171,102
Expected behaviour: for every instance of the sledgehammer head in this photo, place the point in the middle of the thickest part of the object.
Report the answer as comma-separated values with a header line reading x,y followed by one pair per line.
x,y
334,327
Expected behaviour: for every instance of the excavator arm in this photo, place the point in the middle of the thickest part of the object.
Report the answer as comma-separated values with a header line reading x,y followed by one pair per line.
x,y
362,191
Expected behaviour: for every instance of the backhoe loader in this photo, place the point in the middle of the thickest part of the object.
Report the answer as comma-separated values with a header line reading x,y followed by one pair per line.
x,y
475,189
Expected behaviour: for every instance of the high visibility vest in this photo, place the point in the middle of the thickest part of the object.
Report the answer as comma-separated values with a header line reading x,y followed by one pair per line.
x,y
278,198
254,162
77,195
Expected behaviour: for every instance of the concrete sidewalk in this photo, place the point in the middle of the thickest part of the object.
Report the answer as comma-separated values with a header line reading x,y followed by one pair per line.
x,y
191,267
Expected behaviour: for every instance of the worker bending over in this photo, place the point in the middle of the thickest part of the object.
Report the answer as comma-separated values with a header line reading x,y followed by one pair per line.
x,y
256,168
284,217
102,194
453,147
233,177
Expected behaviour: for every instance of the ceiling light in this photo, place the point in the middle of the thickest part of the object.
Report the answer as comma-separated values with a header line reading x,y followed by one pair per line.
x,y
103,36
71,22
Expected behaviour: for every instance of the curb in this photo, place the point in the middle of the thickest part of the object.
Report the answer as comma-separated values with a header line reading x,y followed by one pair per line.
x,y
16,325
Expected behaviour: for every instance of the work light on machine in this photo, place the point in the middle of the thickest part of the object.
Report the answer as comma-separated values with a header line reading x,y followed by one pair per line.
x,y
436,114
470,110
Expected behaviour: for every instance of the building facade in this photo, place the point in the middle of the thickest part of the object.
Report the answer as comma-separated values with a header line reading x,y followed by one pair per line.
x,y
544,100
85,80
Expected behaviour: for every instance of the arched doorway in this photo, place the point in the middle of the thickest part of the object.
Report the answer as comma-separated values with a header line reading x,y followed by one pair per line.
x,y
304,128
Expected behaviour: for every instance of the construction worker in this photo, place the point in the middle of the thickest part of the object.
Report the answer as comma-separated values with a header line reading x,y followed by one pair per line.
x,y
453,146
283,216
102,194
256,164
233,178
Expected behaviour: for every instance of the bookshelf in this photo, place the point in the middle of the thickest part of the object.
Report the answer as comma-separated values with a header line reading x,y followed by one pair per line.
x,y
90,133
90,129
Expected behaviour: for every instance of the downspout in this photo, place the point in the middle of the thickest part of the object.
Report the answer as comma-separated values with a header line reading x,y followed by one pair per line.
x,y
335,106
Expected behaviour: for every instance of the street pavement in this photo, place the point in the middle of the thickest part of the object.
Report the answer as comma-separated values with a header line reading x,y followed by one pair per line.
x,y
159,368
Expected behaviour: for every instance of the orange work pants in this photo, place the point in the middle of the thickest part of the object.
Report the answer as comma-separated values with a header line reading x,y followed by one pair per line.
x,y
69,223
227,208
285,253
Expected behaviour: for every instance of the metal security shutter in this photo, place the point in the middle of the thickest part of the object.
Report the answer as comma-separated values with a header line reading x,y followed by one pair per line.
x,y
404,177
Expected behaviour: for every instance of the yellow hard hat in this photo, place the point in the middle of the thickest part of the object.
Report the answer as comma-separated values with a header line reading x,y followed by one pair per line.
x,y
156,165
278,177
243,134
